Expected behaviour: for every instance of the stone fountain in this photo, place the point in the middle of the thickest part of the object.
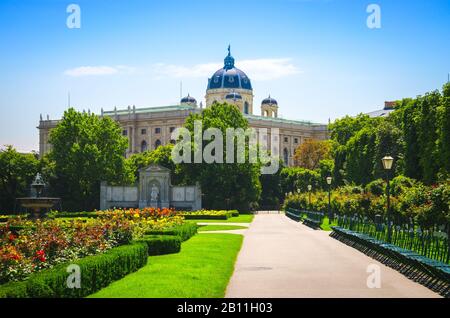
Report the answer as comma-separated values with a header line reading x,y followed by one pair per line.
x,y
37,204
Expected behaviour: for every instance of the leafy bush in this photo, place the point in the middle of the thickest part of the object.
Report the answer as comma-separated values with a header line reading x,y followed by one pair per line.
x,y
162,244
400,184
97,272
413,203
376,187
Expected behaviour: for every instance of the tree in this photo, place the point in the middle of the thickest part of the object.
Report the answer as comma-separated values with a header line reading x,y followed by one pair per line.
x,y
296,178
224,185
342,130
160,156
311,152
86,149
360,156
17,171
271,189
389,141
428,136
345,128
409,126
444,137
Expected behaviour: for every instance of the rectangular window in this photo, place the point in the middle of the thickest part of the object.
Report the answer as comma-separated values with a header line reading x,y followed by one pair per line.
x,y
143,131
124,132
286,139
157,130
172,129
296,140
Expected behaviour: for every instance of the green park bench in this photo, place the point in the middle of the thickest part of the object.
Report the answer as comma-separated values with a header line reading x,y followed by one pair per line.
x,y
430,266
313,219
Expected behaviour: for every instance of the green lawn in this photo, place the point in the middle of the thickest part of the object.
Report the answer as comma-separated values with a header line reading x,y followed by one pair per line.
x,y
214,227
202,269
242,218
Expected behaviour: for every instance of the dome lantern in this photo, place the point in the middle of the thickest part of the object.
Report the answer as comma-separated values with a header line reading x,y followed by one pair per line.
x,y
269,107
230,84
188,100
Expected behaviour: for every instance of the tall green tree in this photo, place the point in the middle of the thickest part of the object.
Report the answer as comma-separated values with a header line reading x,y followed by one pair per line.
x,y
389,141
428,136
444,134
360,156
224,185
160,156
86,149
271,189
17,171
410,127
342,130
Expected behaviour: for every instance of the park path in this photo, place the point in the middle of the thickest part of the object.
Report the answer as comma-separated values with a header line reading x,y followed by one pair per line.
x,y
283,258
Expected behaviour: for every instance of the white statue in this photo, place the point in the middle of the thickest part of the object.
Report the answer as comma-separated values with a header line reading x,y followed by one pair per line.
x,y
154,193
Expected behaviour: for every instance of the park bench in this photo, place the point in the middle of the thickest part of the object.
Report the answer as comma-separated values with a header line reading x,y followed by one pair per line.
x,y
430,266
294,214
313,219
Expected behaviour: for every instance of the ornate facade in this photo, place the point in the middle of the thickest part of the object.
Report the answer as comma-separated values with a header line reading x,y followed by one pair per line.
x,y
149,128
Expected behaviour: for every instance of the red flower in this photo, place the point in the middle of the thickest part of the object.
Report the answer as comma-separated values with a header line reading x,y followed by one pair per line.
x,y
12,237
40,255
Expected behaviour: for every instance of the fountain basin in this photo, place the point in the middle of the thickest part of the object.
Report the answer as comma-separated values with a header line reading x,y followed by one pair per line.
x,y
38,205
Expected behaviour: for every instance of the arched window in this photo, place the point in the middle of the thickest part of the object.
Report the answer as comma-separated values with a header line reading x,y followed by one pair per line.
x,y
246,108
144,146
286,156
157,143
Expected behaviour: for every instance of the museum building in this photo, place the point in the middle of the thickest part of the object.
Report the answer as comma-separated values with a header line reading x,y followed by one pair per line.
x,y
150,127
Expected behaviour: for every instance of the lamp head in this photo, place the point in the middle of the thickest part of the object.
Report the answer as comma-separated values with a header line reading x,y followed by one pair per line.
x,y
329,179
387,162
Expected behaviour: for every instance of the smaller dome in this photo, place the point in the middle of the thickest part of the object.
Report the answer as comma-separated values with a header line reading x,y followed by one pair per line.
x,y
233,96
188,100
269,100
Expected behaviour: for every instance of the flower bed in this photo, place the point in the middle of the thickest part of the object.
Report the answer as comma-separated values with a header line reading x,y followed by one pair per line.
x,y
27,247
96,272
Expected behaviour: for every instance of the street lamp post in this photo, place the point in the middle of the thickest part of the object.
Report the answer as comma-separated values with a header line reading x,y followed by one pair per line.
x,y
330,217
309,192
387,165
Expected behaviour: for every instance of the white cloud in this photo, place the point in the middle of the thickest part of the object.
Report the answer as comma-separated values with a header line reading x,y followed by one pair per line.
x,y
98,70
256,69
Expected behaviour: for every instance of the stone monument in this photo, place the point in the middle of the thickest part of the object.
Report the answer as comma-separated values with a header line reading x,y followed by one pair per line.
x,y
154,189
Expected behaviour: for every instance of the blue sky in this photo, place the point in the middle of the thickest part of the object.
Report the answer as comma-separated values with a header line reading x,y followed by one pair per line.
x,y
318,58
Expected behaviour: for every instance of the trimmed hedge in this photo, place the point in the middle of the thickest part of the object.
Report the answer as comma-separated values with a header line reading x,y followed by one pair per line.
x,y
184,231
234,213
97,272
162,244
205,217
210,215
